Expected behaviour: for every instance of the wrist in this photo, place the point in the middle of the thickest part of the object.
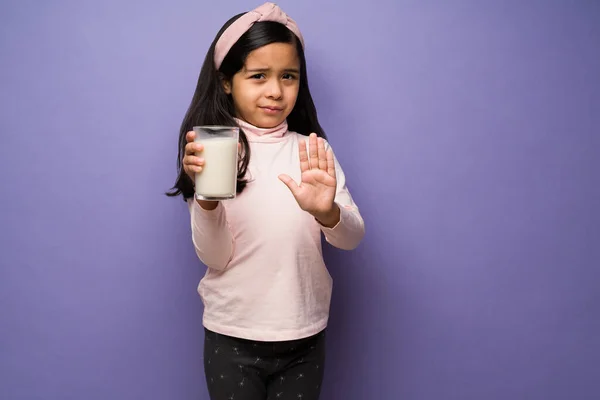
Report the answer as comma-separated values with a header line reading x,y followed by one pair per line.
x,y
330,218
207,205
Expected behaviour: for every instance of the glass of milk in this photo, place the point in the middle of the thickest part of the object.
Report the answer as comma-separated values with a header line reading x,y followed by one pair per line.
x,y
218,178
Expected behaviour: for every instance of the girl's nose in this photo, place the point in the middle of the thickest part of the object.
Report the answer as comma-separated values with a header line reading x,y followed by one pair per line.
x,y
274,89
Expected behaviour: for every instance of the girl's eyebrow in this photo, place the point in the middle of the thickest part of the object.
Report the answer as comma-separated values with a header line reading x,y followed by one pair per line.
x,y
256,70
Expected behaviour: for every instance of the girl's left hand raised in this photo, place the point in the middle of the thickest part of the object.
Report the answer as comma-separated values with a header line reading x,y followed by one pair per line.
x,y
316,192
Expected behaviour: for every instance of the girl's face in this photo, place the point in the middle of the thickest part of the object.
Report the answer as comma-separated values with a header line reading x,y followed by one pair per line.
x,y
265,90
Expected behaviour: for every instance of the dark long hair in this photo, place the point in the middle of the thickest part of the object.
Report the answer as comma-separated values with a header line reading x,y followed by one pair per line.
x,y
212,106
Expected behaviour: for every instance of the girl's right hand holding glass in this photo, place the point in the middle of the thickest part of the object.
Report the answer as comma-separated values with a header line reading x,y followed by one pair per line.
x,y
192,163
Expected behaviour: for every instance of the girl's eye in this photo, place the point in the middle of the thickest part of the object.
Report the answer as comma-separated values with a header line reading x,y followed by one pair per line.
x,y
289,76
257,76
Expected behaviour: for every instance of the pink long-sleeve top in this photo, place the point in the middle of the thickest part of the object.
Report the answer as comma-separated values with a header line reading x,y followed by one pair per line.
x,y
266,279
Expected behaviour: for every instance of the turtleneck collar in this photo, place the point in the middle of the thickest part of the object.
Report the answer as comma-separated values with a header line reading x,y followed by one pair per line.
x,y
256,134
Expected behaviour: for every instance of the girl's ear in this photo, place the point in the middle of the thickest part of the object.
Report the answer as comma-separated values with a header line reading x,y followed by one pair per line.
x,y
226,83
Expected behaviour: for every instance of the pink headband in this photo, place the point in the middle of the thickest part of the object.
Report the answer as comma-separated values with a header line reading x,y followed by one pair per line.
x,y
266,12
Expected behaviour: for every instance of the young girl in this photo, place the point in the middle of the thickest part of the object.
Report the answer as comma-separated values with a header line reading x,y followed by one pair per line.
x,y
266,291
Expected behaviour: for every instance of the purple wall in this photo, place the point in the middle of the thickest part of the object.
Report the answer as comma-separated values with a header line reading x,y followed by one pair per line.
x,y
469,134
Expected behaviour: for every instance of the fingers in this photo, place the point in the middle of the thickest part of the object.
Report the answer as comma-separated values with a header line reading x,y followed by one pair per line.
x,y
289,182
322,154
192,166
330,163
304,164
316,156
313,150
192,149
190,136
192,163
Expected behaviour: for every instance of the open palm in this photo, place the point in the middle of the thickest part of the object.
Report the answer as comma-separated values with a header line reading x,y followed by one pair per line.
x,y
317,188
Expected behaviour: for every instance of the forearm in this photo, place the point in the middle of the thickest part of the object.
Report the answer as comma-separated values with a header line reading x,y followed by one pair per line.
x,y
211,235
349,230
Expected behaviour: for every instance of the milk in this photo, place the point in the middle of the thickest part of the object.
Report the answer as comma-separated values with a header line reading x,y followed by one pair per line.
x,y
218,178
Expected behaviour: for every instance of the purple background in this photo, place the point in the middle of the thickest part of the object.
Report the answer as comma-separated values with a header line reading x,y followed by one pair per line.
x,y
469,133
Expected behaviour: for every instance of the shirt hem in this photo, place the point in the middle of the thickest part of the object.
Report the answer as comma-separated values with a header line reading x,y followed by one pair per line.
x,y
265,336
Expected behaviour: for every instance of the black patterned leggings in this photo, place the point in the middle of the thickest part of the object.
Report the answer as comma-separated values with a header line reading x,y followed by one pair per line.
x,y
239,369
